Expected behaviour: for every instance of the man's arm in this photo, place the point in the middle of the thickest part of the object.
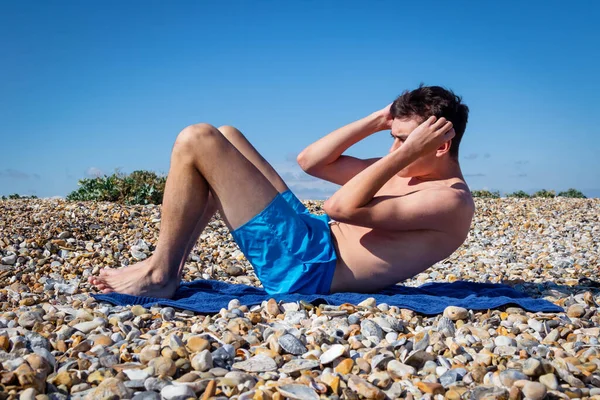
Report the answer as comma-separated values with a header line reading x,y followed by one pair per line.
x,y
355,197
427,209
324,159
361,189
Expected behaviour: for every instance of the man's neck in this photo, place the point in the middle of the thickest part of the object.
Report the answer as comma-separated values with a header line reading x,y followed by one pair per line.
x,y
451,170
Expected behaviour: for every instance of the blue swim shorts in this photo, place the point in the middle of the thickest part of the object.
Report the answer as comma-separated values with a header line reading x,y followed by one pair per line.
x,y
291,249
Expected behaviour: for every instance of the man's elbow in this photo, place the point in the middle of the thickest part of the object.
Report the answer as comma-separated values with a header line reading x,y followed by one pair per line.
x,y
304,161
307,164
336,212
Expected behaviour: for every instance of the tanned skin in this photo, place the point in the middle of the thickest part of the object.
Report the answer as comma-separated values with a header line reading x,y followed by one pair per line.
x,y
396,215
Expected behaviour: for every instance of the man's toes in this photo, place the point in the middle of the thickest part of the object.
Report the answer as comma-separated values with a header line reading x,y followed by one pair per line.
x,y
107,273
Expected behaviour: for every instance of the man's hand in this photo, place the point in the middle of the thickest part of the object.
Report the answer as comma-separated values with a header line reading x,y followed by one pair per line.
x,y
430,135
385,118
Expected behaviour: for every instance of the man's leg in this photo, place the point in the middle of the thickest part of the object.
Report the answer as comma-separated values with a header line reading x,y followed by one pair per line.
x,y
202,160
240,142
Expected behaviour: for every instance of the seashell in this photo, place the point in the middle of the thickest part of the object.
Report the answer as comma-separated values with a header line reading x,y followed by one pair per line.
x,y
299,392
370,328
259,363
335,351
291,344
299,364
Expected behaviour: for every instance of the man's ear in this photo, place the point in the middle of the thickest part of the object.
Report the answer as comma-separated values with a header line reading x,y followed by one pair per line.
x,y
444,148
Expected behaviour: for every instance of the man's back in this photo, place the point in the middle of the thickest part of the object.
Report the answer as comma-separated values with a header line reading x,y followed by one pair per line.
x,y
371,258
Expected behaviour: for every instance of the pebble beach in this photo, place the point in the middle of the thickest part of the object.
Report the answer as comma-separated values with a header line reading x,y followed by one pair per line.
x,y
58,342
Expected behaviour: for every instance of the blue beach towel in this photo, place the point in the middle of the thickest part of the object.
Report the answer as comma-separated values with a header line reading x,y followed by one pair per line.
x,y
209,296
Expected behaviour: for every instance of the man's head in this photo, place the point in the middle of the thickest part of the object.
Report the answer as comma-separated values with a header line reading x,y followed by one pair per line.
x,y
411,108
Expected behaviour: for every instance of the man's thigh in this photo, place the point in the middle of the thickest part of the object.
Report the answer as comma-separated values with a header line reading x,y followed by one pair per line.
x,y
239,140
239,189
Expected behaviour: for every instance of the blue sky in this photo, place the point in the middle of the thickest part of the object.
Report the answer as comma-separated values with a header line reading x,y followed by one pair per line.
x,y
87,87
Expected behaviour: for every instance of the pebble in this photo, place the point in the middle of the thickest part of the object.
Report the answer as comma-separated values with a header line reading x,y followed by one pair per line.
x,y
505,341
110,387
197,343
576,310
291,344
364,388
28,319
533,367
550,381
87,327
146,396
167,313
28,394
54,336
299,392
202,361
136,374
456,313
299,364
177,392
334,352
368,302
163,366
370,328
534,390
399,370
258,363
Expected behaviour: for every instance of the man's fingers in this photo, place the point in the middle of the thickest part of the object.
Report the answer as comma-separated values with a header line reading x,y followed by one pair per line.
x,y
439,123
430,120
445,127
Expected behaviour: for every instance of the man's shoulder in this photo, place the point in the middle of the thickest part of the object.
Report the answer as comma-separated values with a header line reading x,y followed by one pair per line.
x,y
456,196
443,191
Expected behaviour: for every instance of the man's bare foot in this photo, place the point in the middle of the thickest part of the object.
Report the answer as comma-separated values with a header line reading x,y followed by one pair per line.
x,y
140,279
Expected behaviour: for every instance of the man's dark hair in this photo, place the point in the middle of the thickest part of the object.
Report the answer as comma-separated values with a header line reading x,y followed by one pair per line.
x,y
426,101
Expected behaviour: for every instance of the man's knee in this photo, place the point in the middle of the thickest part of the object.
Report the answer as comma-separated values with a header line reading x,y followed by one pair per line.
x,y
194,134
231,133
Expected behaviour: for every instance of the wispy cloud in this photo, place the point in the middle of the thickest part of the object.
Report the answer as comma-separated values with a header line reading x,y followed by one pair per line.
x,y
471,156
304,186
93,172
307,193
291,157
486,155
522,162
17,174
297,177
479,174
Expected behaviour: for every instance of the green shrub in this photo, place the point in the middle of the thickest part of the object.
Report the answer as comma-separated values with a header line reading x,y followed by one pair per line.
x,y
485,193
139,187
572,193
545,193
15,196
520,194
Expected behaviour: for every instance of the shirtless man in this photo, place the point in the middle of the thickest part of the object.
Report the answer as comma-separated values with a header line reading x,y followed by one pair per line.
x,y
393,217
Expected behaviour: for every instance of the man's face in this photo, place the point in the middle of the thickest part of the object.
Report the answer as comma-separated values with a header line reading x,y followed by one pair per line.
x,y
401,129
